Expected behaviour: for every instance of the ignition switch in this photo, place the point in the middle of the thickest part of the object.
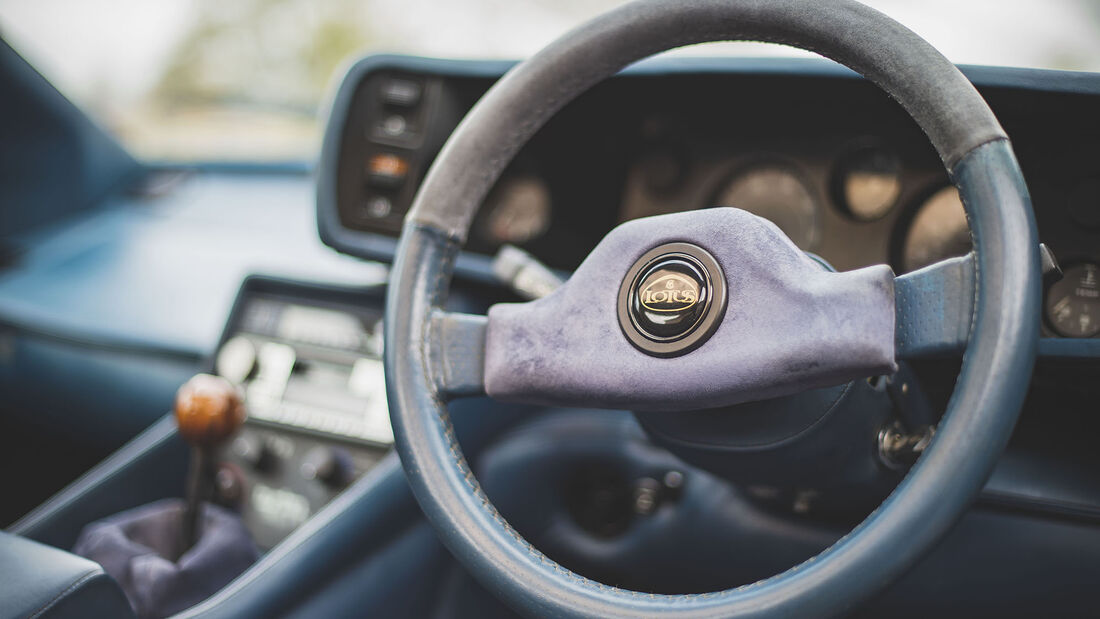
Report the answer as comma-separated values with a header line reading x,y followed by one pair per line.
x,y
650,493
898,448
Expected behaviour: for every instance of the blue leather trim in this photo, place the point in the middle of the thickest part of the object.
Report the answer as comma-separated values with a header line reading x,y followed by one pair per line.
x,y
40,581
935,308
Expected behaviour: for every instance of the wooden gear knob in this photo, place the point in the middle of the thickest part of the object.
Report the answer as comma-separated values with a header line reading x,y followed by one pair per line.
x,y
209,409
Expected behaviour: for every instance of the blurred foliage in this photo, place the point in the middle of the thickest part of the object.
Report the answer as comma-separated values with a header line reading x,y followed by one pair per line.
x,y
268,53
185,80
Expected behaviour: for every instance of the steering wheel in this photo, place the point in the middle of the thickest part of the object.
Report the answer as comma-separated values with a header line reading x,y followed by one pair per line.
x,y
714,307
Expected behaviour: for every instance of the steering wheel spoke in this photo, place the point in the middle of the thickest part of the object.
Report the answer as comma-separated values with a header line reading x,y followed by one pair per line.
x,y
935,309
933,317
457,354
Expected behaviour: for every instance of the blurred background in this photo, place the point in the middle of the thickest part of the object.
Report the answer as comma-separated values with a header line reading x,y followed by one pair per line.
x,y
246,80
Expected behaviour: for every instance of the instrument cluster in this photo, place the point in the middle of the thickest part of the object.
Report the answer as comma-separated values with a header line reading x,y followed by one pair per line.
x,y
854,201
846,175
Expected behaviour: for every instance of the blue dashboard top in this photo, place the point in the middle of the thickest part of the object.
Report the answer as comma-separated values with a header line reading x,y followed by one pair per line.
x,y
159,274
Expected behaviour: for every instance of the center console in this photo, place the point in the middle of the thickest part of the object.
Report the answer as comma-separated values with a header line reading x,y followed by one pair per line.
x,y
308,360
310,472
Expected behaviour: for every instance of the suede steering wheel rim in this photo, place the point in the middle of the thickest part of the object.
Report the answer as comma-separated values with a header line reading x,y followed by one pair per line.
x,y
1000,338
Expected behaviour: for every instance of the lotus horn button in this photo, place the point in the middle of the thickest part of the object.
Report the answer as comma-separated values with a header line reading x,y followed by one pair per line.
x,y
672,299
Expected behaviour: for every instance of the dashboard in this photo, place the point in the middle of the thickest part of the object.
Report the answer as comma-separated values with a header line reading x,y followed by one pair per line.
x,y
813,148
822,153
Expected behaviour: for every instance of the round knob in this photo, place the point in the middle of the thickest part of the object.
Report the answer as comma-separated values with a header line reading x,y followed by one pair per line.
x,y
329,465
228,485
254,451
209,410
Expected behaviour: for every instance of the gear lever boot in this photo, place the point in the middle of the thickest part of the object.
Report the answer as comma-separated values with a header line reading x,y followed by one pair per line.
x,y
137,547
172,554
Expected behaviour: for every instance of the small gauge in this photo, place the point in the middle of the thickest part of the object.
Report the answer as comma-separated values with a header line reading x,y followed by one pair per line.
x,y
519,210
1073,302
938,231
867,183
777,194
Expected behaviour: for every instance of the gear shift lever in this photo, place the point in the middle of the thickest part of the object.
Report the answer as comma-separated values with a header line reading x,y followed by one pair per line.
x,y
209,410
157,552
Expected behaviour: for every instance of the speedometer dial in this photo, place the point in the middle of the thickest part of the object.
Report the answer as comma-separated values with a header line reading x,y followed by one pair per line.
x,y
777,194
1073,302
867,183
938,231
519,211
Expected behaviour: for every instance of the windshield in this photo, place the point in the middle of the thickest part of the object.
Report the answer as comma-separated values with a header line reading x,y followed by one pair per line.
x,y
243,80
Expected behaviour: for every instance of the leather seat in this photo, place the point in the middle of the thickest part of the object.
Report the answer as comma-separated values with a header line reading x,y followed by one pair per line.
x,y
37,580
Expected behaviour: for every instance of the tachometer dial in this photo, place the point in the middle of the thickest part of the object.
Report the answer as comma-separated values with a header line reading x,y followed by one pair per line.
x,y
867,183
777,194
519,211
938,231
1073,303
